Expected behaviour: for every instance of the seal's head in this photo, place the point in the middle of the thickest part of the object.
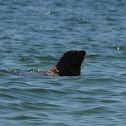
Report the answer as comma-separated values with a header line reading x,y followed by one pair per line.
x,y
69,64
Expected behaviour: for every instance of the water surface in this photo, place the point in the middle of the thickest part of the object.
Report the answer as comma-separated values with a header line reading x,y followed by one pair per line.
x,y
35,34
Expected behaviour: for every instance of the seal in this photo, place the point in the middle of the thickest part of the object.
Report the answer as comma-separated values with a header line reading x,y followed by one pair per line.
x,y
69,64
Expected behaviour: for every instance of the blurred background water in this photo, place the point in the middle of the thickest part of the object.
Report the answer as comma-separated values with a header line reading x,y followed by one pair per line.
x,y
35,34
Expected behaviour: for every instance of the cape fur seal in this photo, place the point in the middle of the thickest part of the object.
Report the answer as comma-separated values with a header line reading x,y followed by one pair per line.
x,y
68,65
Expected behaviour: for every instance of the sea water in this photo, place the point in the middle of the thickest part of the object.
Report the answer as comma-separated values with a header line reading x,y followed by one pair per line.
x,y
35,34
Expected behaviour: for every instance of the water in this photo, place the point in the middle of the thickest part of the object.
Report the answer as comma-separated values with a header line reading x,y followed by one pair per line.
x,y
35,34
